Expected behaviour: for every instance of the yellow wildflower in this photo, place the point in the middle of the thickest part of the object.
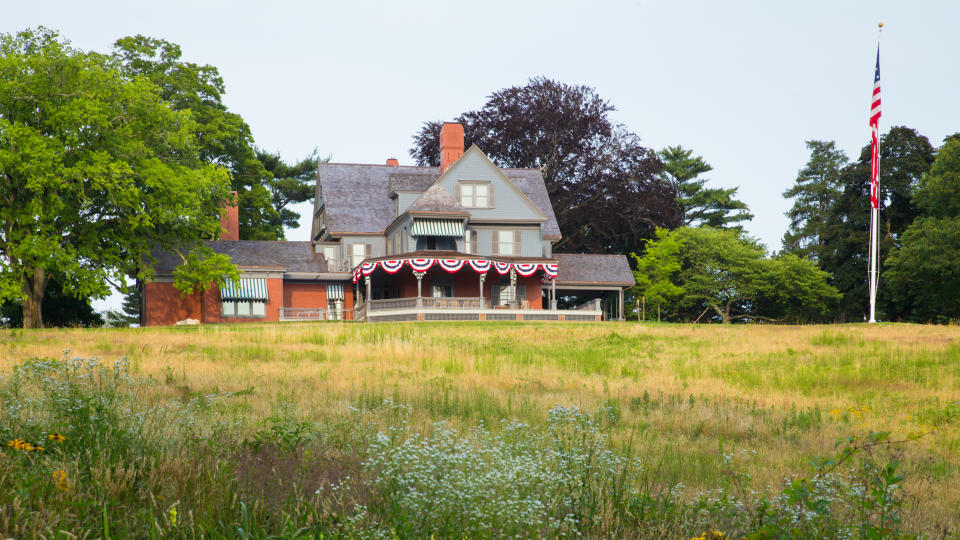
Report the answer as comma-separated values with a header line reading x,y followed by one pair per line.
x,y
60,476
56,437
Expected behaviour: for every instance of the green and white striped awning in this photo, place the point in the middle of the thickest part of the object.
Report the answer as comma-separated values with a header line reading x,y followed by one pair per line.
x,y
254,289
437,227
334,291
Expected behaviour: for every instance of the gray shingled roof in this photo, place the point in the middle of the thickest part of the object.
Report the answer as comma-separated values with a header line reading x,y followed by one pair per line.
x,y
357,197
436,199
261,254
575,269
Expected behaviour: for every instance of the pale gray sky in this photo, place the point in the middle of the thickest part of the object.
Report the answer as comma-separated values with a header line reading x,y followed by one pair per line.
x,y
744,84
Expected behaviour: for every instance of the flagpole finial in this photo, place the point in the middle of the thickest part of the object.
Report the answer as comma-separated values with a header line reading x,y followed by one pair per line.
x,y
880,26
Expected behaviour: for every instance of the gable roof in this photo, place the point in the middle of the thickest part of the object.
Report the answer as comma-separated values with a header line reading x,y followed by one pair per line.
x,y
357,197
579,269
259,254
436,199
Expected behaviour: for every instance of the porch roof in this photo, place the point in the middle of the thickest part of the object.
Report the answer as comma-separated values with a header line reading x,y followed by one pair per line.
x,y
446,254
580,269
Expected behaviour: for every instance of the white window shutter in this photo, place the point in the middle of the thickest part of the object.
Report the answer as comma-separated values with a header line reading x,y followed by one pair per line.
x,y
516,243
496,241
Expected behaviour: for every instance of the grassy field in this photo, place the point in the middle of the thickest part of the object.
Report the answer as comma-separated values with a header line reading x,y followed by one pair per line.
x,y
253,429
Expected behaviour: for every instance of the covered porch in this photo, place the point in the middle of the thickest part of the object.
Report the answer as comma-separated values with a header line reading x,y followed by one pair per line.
x,y
448,285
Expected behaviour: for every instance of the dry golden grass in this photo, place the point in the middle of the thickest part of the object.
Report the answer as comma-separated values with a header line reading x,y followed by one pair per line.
x,y
679,395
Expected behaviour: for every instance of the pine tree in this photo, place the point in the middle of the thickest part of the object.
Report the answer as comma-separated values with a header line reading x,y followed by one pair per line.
x,y
699,205
817,187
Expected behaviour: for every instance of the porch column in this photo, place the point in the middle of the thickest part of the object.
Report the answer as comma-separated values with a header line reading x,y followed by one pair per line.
x,y
366,280
622,317
513,287
419,276
553,293
483,277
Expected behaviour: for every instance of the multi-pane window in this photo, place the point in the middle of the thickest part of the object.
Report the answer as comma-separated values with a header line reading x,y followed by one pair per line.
x,y
508,242
475,195
244,308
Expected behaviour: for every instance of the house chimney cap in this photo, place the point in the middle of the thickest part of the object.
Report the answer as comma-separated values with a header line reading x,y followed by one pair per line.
x,y
393,162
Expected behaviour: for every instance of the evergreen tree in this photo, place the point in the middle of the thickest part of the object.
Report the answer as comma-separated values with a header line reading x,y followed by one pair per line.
x,y
905,156
816,189
923,273
699,205
129,313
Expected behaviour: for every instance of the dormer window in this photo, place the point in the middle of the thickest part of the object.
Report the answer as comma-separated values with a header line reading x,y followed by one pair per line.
x,y
475,194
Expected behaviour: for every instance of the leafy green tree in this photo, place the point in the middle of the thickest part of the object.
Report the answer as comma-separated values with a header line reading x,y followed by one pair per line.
x,y
95,171
923,270
816,189
905,156
657,269
728,275
223,137
700,205
290,184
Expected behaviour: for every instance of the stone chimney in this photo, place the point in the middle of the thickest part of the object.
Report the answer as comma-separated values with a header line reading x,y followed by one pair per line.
x,y
451,144
392,162
230,218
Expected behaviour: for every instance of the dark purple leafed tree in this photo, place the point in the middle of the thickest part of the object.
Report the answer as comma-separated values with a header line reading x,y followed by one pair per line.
x,y
603,183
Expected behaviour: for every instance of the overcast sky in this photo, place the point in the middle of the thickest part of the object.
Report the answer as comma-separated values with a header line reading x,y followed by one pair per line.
x,y
743,84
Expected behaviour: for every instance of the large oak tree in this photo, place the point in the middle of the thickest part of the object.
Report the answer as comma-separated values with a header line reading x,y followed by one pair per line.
x,y
96,169
601,180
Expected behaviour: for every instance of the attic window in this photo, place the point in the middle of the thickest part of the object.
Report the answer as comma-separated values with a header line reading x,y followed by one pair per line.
x,y
475,195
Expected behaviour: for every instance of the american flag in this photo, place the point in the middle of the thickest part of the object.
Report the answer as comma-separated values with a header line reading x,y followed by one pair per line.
x,y
875,128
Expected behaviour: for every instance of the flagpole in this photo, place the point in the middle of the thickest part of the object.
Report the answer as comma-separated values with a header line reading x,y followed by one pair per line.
x,y
874,255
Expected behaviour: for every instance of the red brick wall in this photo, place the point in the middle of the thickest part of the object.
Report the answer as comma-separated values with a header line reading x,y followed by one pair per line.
x,y
304,295
164,306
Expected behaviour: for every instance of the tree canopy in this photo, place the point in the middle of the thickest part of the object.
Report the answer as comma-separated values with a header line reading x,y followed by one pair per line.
x,y
727,276
96,169
601,180
923,270
815,190
905,155
264,183
700,205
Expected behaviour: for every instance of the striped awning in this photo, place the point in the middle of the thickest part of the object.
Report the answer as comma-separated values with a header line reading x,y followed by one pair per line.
x,y
254,289
334,291
437,227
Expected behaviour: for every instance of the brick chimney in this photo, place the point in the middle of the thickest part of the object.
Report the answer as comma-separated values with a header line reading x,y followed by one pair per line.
x,y
392,162
451,144
230,219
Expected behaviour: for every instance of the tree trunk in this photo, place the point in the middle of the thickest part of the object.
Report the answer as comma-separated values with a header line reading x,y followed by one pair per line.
x,y
203,306
726,314
34,286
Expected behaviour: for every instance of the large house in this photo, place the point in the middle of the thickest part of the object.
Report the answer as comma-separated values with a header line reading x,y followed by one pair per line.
x,y
464,241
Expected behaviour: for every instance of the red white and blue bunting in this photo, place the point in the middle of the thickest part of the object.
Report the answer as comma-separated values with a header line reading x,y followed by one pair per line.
x,y
392,266
526,269
451,265
481,266
420,265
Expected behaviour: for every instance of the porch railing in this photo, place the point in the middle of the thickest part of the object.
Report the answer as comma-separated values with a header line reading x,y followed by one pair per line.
x,y
427,302
315,314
